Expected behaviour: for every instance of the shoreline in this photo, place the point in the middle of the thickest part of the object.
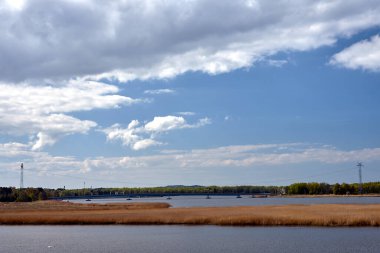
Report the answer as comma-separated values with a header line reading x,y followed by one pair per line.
x,y
69,198
65,213
326,196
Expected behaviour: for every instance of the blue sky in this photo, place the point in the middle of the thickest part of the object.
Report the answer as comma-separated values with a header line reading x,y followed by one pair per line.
x,y
180,97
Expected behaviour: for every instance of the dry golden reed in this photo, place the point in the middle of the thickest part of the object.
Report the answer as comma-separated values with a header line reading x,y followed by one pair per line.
x,y
55,212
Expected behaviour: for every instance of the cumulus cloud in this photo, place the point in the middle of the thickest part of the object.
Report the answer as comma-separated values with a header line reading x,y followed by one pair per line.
x,y
159,91
139,39
41,111
361,55
146,143
43,140
139,137
161,124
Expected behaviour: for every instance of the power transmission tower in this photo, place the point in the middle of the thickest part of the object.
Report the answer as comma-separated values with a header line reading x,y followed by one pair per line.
x,y
22,176
360,165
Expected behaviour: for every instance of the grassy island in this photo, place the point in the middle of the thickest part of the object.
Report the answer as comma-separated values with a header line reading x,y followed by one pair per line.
x,y
65,213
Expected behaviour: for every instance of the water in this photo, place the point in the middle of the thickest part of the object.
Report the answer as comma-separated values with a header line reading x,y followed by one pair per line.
x,y
192,201
187,239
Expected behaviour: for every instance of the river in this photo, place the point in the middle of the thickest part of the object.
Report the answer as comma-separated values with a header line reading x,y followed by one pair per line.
x,y
208,239
192,201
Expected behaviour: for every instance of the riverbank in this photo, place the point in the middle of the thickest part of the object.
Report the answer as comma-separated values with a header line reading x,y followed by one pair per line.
x,y
65,213
374,195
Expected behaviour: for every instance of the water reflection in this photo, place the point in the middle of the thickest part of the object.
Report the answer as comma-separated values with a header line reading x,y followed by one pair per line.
x,y
187,239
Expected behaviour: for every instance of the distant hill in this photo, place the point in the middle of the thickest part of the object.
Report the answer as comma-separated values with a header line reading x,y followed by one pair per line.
x,y
182,186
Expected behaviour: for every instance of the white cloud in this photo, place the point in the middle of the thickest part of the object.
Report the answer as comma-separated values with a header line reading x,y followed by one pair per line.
x,y
176,162
361,55
166,123
220,157
253,156
141,137
41,111
139,39
14,5
276,63
159,91
186,113
43,140
14,149
146,143
35,160
202,122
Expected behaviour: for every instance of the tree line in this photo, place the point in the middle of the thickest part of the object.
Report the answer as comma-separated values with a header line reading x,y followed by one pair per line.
x,y
337,189
313,188
10,194
169,190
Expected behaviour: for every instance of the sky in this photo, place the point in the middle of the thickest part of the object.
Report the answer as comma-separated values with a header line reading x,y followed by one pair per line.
x,y
136,93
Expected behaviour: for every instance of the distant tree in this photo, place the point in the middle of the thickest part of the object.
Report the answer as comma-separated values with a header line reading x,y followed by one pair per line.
x,y
298,188
42,195
336,189
22,196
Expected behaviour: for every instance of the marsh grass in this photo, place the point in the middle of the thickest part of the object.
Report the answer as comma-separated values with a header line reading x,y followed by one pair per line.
x,y
63,213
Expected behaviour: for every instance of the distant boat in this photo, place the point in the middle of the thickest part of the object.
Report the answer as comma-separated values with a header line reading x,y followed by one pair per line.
x,y
238,196
129,199
208,197
168,198
88,199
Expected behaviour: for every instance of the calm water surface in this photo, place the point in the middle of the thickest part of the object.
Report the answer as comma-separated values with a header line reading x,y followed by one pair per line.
x,y
208,239
191,201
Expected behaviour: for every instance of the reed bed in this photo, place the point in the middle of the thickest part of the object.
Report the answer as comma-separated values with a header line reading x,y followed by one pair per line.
x,y
60,213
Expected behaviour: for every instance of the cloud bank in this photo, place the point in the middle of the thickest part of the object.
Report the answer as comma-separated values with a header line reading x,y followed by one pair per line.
x,y
139,39
247,156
